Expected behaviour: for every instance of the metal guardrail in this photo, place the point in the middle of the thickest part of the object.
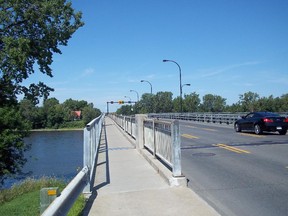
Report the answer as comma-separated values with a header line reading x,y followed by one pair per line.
x,y
92,136
62,204
220,118
161,138
127,123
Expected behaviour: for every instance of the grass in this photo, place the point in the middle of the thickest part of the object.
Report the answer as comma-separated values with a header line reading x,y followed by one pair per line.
x,y
24,199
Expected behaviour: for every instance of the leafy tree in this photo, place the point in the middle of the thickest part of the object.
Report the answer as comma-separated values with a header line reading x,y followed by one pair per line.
x,y
283,105
13,128
176,104
249,101
30,32
191,102
125,110
163,102
146,103
266,104
213,103
89,113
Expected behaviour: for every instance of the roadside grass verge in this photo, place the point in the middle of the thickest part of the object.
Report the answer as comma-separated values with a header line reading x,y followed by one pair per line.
x,y
24,199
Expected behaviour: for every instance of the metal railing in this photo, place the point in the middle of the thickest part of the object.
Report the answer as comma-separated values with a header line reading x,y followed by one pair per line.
x,y
161,138
92,137
82,182
127,123
220,118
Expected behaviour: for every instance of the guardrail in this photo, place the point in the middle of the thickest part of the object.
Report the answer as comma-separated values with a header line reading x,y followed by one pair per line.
x,y
127,123
220,118
82,182
92,136
161,138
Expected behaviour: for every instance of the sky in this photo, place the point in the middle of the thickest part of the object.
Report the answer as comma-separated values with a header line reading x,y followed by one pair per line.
x,y
224,47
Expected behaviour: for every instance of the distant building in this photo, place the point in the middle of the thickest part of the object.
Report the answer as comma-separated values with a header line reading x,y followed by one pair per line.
x,y
76,115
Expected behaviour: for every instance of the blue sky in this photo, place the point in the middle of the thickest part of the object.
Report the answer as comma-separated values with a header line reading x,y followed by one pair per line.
x,y
224,47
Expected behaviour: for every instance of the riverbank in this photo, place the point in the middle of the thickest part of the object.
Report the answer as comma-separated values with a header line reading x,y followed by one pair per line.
x,y
59,129
24,198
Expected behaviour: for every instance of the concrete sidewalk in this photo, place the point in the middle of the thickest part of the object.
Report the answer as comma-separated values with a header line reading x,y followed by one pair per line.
x,y
126,184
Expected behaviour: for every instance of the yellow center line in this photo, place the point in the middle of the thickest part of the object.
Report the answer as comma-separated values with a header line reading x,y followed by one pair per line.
x,y
209,129
231,148
190,126
252,135
189,136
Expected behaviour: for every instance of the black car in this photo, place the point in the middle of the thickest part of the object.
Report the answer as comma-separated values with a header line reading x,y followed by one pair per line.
x,y
262,121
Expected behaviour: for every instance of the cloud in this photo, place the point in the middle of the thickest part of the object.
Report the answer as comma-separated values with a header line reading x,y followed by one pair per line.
x,y
213,72
87,72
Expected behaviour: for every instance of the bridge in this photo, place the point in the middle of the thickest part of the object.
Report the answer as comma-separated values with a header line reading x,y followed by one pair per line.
x,y
236,173
126,179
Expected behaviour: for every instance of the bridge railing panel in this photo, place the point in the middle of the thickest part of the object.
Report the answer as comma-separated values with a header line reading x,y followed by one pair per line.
x,y
82,181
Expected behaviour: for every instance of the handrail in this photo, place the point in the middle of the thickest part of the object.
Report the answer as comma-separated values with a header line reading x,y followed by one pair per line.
x,y
62,204
82,181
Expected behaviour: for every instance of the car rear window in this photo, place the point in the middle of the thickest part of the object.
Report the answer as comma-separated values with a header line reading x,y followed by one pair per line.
x,y
270,114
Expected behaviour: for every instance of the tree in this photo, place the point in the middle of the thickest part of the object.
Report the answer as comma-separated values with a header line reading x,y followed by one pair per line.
x,y
191,102
248,101
13,128
213,103
146,104
163,102
31,32
90,113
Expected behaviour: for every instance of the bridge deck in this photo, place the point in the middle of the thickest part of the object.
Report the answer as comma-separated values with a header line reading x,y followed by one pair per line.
x,y
126,184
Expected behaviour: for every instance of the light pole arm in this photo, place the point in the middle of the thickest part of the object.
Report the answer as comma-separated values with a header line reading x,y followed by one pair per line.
x,y
180,80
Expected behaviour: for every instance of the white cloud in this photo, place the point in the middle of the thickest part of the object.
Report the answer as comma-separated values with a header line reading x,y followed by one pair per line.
x,y
212,71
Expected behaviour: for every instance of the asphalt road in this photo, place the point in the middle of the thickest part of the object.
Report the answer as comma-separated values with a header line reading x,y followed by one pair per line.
x,y
239,174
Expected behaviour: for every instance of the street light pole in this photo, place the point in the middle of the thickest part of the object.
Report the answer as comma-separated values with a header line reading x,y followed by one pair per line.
x,y
127,97
149,84
165,60
136,93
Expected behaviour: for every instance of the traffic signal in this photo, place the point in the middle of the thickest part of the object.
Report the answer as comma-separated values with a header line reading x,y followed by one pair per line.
x,y
121,102
111,102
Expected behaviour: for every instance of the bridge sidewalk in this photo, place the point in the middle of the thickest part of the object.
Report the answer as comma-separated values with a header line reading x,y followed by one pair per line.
x,y
126,184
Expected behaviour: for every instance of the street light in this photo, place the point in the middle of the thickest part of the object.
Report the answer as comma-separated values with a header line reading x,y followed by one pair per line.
x,y
188,84
149,83
128,97
165,60
136,93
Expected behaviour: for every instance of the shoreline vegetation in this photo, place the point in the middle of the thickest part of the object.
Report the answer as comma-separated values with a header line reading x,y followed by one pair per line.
x,y
24,198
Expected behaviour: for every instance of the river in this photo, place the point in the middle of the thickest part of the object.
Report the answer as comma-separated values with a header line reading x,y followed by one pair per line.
x,y
53,153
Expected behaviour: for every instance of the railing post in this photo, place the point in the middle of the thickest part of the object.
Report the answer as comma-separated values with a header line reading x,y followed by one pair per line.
x,y
140,130
87,159
176,151
154,141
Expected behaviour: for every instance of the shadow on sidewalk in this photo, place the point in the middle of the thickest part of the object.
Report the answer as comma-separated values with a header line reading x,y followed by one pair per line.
x,y
101,177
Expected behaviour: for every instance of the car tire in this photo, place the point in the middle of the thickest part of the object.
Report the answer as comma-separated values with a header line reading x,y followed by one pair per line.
x,y
257,129
282,132
237,127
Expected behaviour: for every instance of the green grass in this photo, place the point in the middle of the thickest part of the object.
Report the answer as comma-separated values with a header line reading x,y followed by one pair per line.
x,y
24,199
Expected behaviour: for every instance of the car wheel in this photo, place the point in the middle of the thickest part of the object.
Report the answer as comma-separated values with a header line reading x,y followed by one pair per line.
x,y
237,127
282,132
257,129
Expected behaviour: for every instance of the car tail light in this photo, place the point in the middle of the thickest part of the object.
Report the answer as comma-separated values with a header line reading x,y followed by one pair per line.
x,y
286,120
267,120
